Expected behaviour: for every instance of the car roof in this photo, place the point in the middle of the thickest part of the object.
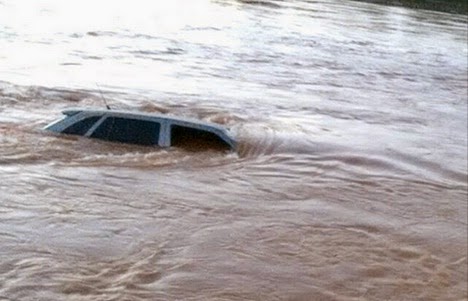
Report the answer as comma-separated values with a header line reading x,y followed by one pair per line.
x,y
129,114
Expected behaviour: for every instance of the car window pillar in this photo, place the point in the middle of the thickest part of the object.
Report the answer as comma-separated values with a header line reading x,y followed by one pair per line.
x,y
95,126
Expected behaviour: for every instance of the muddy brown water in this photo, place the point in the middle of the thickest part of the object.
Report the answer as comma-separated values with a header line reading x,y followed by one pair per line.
x,y
349,181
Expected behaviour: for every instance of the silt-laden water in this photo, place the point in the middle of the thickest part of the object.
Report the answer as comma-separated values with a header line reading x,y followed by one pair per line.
x,y
349,183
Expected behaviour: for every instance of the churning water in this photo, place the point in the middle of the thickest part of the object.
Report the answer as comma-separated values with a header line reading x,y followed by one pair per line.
x,y
349,183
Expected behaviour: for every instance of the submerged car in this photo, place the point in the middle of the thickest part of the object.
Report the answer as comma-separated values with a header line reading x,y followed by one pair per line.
x,y
142,129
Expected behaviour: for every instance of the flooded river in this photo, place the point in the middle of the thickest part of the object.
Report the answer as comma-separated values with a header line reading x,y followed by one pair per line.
x,y
349,181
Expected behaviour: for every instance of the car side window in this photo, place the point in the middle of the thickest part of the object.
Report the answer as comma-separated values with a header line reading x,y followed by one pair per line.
x,y
126,130
82,126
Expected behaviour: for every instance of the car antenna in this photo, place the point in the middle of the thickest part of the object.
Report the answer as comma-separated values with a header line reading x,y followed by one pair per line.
x,y
102,96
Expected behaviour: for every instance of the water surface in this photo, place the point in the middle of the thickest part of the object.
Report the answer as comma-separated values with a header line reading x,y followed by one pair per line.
x,y
349,183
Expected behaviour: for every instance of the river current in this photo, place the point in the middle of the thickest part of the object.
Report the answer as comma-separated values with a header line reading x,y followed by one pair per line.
x,y
349,181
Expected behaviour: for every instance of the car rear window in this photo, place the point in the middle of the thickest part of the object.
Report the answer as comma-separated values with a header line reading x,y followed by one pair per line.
x,y
81,127
195,139
125,130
